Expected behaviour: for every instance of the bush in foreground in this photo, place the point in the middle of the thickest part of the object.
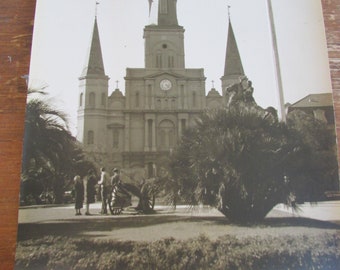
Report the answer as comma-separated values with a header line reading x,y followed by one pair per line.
x,y
228,252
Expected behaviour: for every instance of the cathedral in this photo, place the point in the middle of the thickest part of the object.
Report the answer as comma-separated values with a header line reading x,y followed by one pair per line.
x,y
140,128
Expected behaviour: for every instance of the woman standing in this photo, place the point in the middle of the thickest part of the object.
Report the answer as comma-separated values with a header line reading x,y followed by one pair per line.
x,y
78,194
89,190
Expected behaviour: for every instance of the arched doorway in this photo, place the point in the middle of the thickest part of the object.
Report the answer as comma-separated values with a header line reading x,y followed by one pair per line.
x,y
166,135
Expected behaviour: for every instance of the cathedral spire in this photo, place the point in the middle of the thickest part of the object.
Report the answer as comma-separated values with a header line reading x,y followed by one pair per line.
x,y
233,63
94,62
233,68
167,14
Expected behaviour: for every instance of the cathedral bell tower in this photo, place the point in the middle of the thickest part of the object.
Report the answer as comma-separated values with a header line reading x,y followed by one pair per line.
x,y
93,93
164,43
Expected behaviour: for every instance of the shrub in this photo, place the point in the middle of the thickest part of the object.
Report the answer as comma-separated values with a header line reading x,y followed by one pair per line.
x,y
227,252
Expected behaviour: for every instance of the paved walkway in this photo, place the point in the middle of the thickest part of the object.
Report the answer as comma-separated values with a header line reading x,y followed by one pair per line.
x,y
182,223
325,211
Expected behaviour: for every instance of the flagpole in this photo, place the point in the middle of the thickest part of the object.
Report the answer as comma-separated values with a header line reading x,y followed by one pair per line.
x,y
282,110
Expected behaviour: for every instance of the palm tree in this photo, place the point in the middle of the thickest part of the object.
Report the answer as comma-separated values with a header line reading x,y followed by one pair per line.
x,y
50,152
235,159
320,161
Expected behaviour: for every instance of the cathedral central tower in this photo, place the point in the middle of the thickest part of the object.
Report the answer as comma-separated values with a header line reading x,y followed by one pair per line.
x,y
164,43
167,12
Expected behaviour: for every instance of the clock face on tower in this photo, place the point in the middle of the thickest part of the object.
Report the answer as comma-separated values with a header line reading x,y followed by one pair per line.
x,y
165,85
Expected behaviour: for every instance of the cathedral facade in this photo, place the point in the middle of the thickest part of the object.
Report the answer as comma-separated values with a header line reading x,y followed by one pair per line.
x,y
140,129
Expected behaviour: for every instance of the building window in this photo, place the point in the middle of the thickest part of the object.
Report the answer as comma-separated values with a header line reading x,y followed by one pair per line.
x,y
171,139
92,99
173,104
194,101
137,100
149,95
159,104
90,137
159,60
81,99
171,61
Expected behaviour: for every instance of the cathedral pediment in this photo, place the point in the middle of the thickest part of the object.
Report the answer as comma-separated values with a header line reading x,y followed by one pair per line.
x,y
164,73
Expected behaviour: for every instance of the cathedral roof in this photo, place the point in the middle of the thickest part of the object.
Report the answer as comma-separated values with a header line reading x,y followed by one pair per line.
x,y
233,64
117,93
213,93
314,100
94,62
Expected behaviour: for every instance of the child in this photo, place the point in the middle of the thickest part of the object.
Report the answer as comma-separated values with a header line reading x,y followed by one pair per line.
x,y
78,193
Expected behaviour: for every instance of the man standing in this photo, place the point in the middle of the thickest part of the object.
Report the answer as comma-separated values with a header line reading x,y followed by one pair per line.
x,y
105,189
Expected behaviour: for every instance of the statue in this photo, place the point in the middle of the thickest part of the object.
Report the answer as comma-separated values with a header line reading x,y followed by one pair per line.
x,y
241,92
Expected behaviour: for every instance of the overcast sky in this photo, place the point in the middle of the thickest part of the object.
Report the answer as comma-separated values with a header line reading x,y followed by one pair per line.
x,y
63,29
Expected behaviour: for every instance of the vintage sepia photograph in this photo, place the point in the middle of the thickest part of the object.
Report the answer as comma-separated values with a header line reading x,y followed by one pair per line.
x,y
179,134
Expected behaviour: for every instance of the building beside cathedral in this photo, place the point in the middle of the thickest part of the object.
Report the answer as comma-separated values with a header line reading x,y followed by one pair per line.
x,y
139,129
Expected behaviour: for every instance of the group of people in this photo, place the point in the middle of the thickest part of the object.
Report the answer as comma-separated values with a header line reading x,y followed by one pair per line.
x,y
85,189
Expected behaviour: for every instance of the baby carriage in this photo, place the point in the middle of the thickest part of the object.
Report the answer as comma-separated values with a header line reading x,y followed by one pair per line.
x,y
121,196
120,199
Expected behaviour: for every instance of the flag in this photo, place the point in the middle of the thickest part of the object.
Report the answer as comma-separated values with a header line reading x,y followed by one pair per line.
x,y
150,4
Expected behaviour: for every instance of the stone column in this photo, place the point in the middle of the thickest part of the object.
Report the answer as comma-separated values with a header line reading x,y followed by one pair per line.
x,y
146,135
154,148
127,133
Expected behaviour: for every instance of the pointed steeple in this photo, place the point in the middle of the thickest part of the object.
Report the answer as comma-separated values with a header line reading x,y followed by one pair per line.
x,y
167,13
233,63
233,68
94,62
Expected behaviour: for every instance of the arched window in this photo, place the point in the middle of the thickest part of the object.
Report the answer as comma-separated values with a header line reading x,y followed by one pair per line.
x,y
90,137
81,99
92,99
